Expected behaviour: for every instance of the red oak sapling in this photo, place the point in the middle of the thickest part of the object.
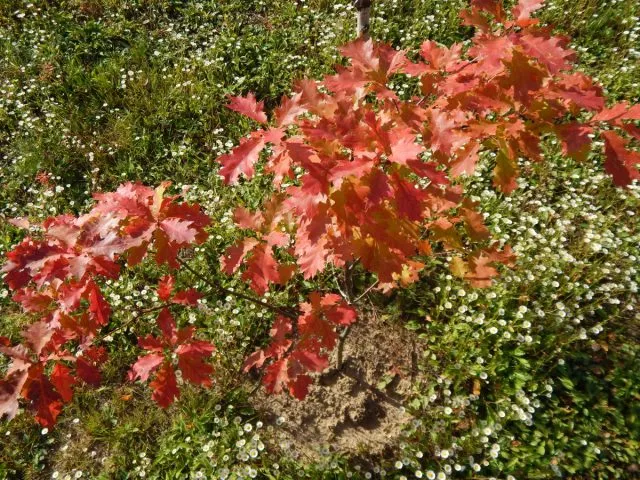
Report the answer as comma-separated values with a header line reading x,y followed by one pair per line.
x,y
359,175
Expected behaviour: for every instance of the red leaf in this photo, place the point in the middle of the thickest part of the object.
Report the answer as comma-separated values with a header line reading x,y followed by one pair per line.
x,y
276,376
191,361
288,110
248,107
164,386
622,164
98,307
88,372
234,254
37,336
145,366
575,139
187,297
44,399
10,388
262,269
62,380
549,51
165,287
167,325
523,10
241,159
179,231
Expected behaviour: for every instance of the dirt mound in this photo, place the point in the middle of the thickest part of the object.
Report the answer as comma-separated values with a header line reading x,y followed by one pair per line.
x,y
354,409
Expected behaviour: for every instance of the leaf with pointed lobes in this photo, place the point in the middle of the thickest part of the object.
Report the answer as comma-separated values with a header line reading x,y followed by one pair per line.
x,y
523,10
192,364
479,270
548,50
241,159
248,107
505,172
474,222
619,111
280,343
37,335
182,297
10,388
165,287
87,365
235,254
165,386
262,269
63,381
45,400
99,308
188,297
333,307
575,139
145,366
290,108
621,163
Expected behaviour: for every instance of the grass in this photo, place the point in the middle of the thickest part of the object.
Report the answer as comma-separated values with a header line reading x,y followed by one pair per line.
x,y
536,377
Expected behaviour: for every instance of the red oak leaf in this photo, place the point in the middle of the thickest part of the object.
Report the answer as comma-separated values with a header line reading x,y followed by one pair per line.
x,y
165,287
622,164
191,361
165,386
145,366
248,107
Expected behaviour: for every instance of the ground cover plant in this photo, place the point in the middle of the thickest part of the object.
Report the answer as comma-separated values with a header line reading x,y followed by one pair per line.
x,y
530,377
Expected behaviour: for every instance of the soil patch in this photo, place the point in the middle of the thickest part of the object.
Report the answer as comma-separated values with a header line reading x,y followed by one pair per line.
x,y
355,409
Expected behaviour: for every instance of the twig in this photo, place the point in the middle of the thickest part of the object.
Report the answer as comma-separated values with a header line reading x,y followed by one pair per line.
x,y
366,291
216,286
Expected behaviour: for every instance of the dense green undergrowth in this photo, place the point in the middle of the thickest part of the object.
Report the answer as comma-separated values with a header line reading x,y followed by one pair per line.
x,y
535,377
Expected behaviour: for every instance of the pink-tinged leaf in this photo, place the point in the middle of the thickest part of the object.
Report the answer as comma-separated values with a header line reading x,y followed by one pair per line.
x,y
20,222
262,269
151,343
313,258
63,381
523,10
621,163
165,386
165,287
549,51
234,254
404,148
255,360
466,159
248,107
192,364
38,335
276,376
288,110
10,388
299,386
145,366
179,231
241,159
619,111
280,343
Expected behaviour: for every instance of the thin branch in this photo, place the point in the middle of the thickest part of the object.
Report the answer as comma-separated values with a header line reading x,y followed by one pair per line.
x,y
371,287
288,312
